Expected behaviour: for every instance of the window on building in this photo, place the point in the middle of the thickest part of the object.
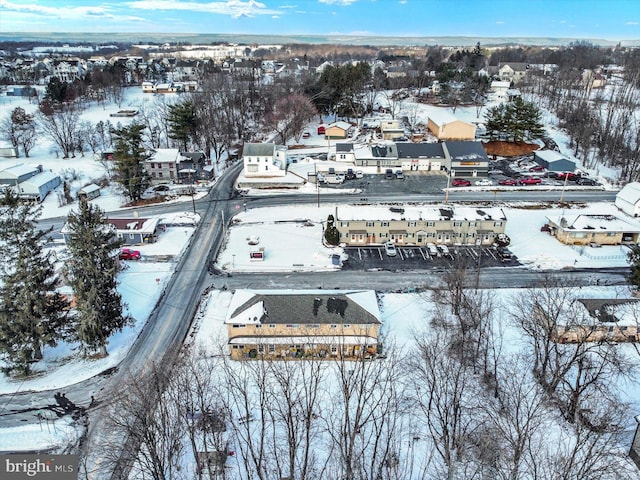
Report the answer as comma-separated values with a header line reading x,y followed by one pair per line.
x,y
457,224
237,325
371,224
333,325
292,325
259,325
431,224
384,224
497,224
412,224
272,349
272,325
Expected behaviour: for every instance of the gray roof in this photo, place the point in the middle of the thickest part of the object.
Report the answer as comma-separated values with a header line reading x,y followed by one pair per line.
x,y
318,308
261,149
465,150
420,150
344,147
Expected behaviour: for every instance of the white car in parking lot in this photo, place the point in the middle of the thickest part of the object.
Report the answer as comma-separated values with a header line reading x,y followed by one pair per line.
x,y
485,182
431,248
390,249
444,250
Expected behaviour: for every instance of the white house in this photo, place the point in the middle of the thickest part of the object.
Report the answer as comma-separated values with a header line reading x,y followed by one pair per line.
x,y
264,160
628,199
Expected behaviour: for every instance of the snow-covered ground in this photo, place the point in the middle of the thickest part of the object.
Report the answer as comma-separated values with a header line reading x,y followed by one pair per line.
x,y
290,246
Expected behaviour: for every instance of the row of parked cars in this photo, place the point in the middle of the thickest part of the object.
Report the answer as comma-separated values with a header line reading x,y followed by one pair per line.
x,y
529,180
433,249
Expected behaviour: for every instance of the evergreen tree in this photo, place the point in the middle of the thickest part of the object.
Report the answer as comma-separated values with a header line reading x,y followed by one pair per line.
x,y
517,120
183,123
130,155
92,272
634,260
331,234
32,312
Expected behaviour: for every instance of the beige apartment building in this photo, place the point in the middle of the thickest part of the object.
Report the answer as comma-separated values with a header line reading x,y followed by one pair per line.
x,y
603,229
287,324
419,225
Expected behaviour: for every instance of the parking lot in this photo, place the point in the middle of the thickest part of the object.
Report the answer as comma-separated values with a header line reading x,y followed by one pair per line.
x,y
414,257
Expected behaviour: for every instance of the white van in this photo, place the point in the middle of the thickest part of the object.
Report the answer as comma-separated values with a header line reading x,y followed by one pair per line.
x,y
444,250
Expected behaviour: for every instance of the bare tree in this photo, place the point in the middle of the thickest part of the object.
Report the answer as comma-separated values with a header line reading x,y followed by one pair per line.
x,y
60,124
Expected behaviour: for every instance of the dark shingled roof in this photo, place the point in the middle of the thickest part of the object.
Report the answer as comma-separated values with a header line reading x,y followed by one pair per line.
x,y
465,150
420,150
344,147
309,308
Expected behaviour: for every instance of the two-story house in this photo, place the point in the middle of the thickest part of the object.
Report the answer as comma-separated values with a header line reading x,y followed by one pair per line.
x,y
264,160
290,324
162,166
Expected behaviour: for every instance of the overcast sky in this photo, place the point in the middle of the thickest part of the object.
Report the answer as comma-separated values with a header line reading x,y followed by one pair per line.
x,y
606,19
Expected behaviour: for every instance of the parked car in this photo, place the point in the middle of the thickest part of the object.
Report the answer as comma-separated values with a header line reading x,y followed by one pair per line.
x,y
350,175
306,135
530,181
431,248
485,182
390,249
566,176
399,175
461,182
359,174
508,181
504,254
586,181
388,174
129,254
444,250
537,168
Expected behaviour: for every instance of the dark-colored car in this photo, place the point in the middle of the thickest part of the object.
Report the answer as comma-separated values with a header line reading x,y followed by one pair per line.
x,y
530,181
461,182
508,181
129,254
388,174
586,181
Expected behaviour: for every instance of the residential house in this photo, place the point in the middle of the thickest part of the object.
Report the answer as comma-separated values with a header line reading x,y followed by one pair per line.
x,y
38,186
628,199
512,72
421,156
391,129
554,161
603,320
337,130
162,166
264,160
18,173
286,324
593,79
445,126
419,225
345,153
466,159
499,88
132,231
191,167
584,229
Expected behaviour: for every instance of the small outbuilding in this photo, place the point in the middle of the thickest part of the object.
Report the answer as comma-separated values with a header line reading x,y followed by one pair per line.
x,y
39,186
337,130
554,161
445,126
89,192
628,199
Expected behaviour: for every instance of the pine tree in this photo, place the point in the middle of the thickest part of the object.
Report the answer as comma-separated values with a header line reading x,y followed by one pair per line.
x,y
92,272
130,155
518,120
183,123
32,313
331,234
633,256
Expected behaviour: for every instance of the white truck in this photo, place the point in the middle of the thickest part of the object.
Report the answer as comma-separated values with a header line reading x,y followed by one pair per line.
x,y
334,179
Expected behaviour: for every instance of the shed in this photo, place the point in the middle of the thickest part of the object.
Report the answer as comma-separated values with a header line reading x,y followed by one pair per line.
x,y
445,126
337,130
628,199
554,161
89,192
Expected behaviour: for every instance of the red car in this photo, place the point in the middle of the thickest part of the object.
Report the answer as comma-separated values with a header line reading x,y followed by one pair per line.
x,y
566,176
129,254
461,182
530,181
537,168
508,181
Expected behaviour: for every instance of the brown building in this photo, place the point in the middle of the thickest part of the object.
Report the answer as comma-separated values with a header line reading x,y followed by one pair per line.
x,y
603,229
291,324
